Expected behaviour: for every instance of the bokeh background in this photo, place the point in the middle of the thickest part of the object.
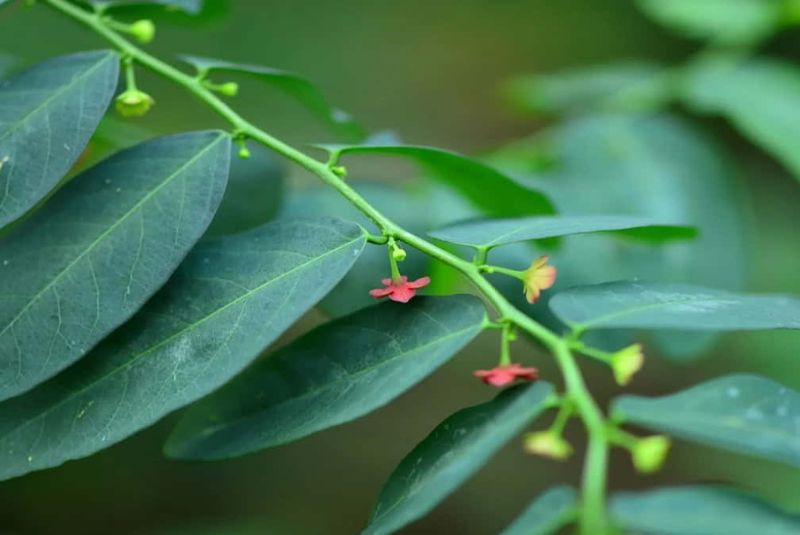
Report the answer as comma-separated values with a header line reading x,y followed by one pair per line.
x,y
431,71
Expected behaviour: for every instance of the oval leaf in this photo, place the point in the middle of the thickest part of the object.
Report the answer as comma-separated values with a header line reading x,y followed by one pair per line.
x,y
87,260
742,413
494,232
336,373
455,449
49,112
657,305
290,83
548,513
699,511
471,178
231,298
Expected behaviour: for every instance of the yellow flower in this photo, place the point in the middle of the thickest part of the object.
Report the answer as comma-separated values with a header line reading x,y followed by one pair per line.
x,y
540,276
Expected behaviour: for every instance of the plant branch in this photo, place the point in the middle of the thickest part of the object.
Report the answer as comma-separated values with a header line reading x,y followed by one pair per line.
x,y
593,518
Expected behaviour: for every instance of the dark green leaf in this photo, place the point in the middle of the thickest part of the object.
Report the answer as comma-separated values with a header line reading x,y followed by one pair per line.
x,y
455,450
334,374
231,298
742,413
292,84
548,513
470,177
699,511
48,114
737,22
254,193
618,86
87,260
657,305
761,97
491,233
189,6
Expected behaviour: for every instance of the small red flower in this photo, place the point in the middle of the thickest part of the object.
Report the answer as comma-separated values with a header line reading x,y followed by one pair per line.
x,y
401,291
503,375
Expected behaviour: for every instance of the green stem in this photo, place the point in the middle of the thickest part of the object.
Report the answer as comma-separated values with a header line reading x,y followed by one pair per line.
x,y
505,345
593,517
392,246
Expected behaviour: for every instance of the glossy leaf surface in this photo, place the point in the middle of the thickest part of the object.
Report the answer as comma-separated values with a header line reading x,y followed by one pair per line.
x,y
231,298
47,116
332,375
742,413
99,248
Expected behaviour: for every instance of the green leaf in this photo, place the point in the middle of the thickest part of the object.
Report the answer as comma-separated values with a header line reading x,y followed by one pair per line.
x,y
334,374
254,193
290,83
548,513
231,298
648,165
491,233
49,112
454,451
193,7
100,247
699,511
656,305
618,86
742,413
731,22
471,178
761,97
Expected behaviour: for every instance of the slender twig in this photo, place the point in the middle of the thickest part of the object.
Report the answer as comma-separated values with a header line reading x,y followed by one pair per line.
x,y
593,518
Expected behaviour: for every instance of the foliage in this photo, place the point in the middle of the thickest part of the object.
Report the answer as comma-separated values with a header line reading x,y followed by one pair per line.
x,y
160,277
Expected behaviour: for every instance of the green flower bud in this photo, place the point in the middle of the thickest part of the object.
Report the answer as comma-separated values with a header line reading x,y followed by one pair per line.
x,y
229,89
134,103
650,453
548,444
626,362
398,254
339,170
244,152
143,30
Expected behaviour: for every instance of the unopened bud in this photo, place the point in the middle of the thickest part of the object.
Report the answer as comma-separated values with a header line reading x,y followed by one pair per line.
x,y
626,362
134,103
650,453
548,444
339,170
143,30
398,254
229,89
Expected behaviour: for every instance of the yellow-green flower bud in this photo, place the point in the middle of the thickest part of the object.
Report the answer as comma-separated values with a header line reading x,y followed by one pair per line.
x,y
626,362
398,254
134,103
650,453
143,30
548,444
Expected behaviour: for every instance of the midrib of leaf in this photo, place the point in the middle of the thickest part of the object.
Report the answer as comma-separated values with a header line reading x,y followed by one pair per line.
x,y
135,359
349,378
55,95
633,310
108,231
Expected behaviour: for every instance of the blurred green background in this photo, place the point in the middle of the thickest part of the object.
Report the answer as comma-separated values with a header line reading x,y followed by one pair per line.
x,y
432,72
